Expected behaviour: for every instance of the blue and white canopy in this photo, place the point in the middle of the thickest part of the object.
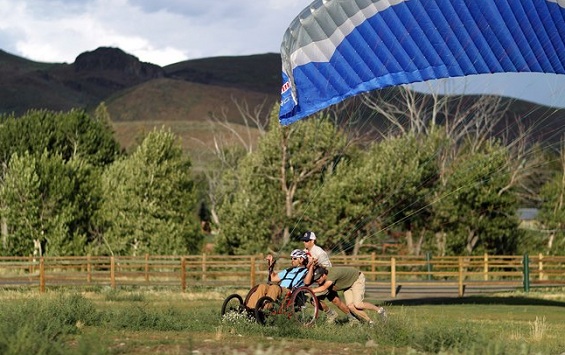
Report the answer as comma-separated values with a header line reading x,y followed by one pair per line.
x,y
336,49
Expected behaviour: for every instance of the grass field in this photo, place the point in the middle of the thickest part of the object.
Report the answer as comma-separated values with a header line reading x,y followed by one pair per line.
x,y
105,321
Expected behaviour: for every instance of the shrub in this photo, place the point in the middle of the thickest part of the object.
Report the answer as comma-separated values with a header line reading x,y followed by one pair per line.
x,y
38,326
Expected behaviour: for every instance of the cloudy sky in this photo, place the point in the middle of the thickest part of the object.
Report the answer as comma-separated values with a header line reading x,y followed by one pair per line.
x,y
168,31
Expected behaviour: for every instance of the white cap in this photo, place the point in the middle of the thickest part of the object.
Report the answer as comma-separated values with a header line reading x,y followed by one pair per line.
x,y
308,236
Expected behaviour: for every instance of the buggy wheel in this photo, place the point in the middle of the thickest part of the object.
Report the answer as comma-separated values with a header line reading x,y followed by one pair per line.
x,y
306,305
233,303
264,308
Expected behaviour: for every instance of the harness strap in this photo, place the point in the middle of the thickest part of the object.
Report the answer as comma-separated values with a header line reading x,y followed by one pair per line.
x,y
292,280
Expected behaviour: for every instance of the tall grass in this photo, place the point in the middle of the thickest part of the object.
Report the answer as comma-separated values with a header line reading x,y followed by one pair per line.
x,y
37,326
126,321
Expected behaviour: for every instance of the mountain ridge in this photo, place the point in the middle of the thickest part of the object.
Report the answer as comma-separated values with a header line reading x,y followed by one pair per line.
x,y
139,95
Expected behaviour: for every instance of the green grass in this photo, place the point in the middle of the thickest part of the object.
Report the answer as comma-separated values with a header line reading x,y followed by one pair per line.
x,y
104,321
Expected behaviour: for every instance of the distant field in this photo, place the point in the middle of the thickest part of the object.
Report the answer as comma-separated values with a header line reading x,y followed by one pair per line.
x,y
196,137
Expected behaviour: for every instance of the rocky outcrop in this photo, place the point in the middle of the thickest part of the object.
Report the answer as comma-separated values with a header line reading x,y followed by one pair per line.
x,y
107,59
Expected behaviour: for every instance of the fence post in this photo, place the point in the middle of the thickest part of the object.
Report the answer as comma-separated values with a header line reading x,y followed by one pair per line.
x,y
203,267
393,277
253,274
461,288
41,275
112,273
485,267
373,266
429,264
146,267
526,263
540,267
88,269
183,274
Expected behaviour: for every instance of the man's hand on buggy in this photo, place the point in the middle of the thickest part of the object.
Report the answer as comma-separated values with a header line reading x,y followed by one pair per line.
x,y
312,262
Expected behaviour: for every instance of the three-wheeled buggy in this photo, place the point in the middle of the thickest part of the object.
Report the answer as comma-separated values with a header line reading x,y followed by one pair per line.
x,y
300,304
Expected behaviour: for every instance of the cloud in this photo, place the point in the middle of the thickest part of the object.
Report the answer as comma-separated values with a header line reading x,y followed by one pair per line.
x,y
160,32
169,31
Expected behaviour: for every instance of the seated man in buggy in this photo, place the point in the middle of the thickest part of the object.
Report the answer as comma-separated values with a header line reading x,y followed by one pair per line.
x,y
282,281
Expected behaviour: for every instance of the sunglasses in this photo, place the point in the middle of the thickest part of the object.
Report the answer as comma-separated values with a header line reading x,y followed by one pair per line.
x,y
296,258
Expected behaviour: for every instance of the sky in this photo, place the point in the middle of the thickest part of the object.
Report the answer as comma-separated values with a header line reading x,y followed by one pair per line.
x,y
164,32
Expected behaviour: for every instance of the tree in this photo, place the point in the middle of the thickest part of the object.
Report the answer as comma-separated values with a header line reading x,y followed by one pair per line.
x,y
70,134
20,196
274,185
552,211
149,201
46,204
385,189
475,209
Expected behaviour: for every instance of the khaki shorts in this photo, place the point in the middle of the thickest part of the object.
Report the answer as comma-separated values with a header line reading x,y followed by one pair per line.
x,y
356,293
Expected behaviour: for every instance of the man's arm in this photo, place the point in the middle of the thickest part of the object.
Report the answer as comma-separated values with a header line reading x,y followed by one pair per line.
x,y
323,287
271,273
310,273
275,277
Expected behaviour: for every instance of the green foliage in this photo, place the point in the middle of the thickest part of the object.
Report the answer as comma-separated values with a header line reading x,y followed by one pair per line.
x,y
47,200
41,326
474,207
441,195
140,317
386,187
50,187
552,213
68,134
118,296
438,337
272,188
71,324
149,201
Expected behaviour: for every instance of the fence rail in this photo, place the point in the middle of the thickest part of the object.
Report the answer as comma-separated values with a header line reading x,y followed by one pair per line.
x,y
184,272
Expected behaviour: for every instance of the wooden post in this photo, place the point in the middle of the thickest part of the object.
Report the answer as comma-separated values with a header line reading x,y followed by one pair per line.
x,y
41,275
204,267
183,274
461,276
112,273
253,275
373,266
393,277
88,269
485,267
146,267
540,267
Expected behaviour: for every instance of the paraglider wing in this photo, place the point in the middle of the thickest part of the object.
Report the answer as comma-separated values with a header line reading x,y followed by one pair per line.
x,y
336,49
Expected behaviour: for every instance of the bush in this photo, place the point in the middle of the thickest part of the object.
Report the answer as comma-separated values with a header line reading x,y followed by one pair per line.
x,y
453,336
39,326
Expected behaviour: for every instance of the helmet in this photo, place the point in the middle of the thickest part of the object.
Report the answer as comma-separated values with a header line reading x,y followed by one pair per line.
x,y
297,253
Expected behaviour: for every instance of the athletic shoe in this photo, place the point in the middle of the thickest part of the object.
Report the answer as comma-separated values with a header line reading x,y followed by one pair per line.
x,y
382,312
331,316
352,321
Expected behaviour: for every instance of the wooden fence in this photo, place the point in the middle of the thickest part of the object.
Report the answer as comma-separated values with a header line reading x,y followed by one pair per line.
x,y
185,272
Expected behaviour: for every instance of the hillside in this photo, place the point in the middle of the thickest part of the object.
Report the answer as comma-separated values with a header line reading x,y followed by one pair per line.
x,y
183,96
140,96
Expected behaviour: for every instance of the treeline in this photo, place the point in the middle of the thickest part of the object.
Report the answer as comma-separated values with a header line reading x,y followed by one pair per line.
x,y
448,188
439,181
67,189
